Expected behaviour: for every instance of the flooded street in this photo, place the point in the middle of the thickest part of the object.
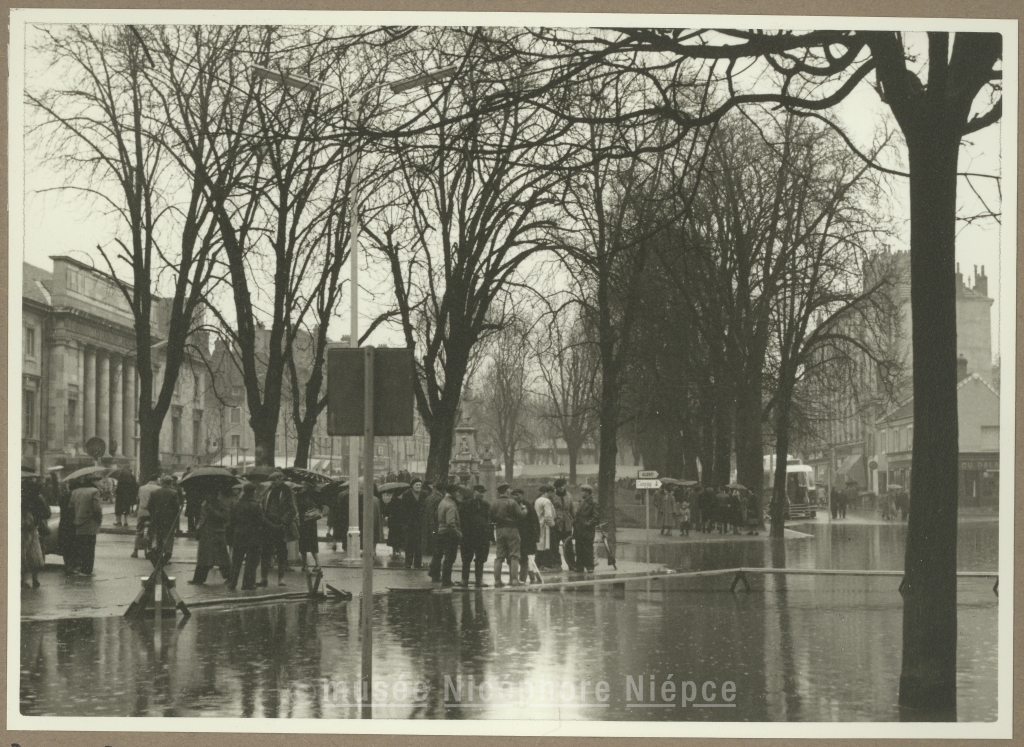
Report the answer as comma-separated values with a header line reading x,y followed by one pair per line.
x,y
795,648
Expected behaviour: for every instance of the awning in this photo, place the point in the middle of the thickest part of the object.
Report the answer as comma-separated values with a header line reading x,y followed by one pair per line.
x,y
848,464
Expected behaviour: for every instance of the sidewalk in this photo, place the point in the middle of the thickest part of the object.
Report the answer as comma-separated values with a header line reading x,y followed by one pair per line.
x,y
117,579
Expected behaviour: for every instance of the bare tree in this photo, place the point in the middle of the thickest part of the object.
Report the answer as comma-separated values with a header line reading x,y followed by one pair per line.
x,y
118,122
478,194
567,361
505,389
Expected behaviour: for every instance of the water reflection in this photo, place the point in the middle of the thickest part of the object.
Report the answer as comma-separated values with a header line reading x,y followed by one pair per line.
x,y
803,648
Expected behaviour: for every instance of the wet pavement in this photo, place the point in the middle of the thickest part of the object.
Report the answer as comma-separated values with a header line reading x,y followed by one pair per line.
x,y
795,648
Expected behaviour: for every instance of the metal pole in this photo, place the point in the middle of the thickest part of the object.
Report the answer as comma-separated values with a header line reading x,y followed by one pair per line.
x,y
647,513
369,533
354,550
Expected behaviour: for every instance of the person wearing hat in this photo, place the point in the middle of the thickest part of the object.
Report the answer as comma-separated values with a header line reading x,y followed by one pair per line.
x,y
164,508
279,514
474,517
413,500
449,531
585,521
245,535
506,514
88,510
212,531
546,523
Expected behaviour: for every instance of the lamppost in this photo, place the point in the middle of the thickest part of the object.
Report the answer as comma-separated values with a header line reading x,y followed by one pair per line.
x,y
301,83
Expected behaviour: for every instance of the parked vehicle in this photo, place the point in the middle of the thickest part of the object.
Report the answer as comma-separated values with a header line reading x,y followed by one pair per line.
x,y
801,492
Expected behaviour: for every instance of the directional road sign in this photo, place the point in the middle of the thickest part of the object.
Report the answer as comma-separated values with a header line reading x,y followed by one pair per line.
x,y
648,474
648,484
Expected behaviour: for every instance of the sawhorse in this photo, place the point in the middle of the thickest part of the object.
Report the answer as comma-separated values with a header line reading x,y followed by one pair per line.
x,y
156,588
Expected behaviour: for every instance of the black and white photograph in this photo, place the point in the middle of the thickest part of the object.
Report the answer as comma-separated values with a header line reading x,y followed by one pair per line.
x,y
511,373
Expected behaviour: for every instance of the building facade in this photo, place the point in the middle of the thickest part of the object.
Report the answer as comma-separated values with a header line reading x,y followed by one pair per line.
x,y
80,378
870,439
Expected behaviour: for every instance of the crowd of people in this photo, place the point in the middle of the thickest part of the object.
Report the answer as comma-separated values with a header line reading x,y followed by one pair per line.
x,y
530,535
244,526
730,508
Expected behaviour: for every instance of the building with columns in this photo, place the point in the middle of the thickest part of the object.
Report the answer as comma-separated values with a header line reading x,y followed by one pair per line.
x,y
79,376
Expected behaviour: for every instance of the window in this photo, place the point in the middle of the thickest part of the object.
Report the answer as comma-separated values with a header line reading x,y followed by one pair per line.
x,y
236,441
883,447
28,412
197,432
30,342
236,415
176,430
72,414
910,437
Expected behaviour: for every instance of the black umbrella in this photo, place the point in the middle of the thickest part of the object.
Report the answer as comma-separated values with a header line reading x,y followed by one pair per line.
x,y
390,487
300,474
208,472
86,472
260,470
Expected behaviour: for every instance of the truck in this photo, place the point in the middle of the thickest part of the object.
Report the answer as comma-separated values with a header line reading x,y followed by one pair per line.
x,y
801,492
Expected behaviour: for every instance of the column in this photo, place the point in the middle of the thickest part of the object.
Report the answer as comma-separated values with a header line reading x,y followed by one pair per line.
x,y
89,394
57,401
116,402
103,395
128,427
80,422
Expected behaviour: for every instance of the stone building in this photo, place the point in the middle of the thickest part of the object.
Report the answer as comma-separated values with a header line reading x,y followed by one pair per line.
x,y
79,376
871,439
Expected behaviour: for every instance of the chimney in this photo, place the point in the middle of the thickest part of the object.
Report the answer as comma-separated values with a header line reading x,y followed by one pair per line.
x,y
961,368
959,280
981,282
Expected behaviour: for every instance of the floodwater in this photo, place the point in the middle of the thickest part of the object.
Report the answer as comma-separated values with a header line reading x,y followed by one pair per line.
x,y
796,648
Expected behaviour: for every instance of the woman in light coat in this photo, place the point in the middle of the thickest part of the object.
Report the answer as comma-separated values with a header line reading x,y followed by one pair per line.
x,y
546,516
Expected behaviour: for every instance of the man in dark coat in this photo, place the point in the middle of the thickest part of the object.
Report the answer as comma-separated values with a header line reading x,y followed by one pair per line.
x,y
529,535
562,530
279,516
164,508
245,533
430,531
474,516
125,495
413,501
585,521
88,510
212,531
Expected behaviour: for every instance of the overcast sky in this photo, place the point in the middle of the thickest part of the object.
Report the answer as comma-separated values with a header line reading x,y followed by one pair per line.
x,y
60,223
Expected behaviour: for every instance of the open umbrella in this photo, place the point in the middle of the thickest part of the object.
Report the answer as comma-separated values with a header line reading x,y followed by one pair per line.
x,y
736,486
390,487
300,474
260,470
208,472
85,472
670,481
688,483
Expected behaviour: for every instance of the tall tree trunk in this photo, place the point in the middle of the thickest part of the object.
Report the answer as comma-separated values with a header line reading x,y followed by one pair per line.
x,y
264,436
303,442
778,504
928,678
749,449
574,456
674,461
509,456
723,439
608,451
149,443
442,437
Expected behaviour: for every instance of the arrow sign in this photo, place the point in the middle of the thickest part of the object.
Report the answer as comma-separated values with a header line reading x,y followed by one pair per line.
x,y
647,474
648,484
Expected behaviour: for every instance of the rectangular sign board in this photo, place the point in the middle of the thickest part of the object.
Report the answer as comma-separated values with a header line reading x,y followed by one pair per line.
x,y
393,373
648,484
648,474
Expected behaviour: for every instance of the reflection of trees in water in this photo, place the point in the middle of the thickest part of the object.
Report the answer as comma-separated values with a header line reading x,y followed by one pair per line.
x,y
783,698
443,634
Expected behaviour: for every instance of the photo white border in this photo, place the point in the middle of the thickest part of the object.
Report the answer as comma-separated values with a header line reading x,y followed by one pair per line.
x,y
1001,728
